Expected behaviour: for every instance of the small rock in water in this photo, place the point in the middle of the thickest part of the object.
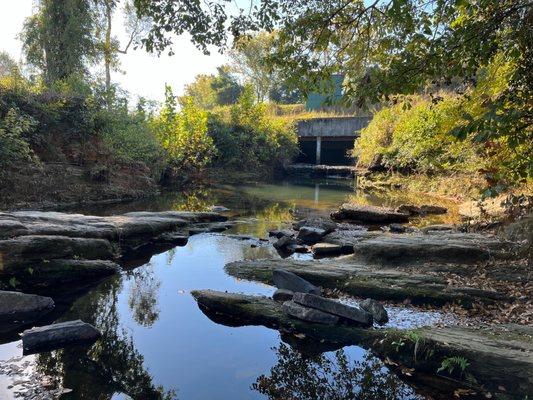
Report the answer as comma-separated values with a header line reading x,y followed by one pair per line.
x,y
58,335
351,314
287,280
284,242
279,233
376,309
282,295
218,209
308,314
331,249
397,228
317,222
310,235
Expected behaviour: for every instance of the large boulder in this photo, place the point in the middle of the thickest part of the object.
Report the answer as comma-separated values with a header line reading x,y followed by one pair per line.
x,y
310,235
16,306
290,281
368,214
376,309
347,313
279,233
308,314
58,335
284,242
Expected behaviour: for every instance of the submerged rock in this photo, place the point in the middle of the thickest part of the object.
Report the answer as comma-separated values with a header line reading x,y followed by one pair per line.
x,y
16,306
347,313
310,235
283,295
290,281
376,309
58,335
368,214
397,228
308,314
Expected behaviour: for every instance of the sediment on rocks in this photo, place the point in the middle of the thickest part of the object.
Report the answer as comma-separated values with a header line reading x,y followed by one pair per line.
x,y
363,281
498,359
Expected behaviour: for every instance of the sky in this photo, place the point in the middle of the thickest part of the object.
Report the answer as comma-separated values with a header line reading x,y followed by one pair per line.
x,y
145,74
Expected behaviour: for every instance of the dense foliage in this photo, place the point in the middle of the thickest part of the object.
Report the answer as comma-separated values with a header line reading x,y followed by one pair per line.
x,y
248,136
385,48
427,134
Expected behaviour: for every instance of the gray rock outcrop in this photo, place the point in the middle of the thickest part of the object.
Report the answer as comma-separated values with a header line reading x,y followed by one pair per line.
x,y
368,214
376,309
347,313
308,314
290,281
16,306
58,335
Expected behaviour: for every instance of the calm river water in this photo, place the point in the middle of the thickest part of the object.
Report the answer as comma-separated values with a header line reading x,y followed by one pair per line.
x,y
156,342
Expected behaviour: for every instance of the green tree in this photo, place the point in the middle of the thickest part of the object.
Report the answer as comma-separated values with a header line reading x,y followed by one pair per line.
x,y
201,92
248,56
58,40
226,86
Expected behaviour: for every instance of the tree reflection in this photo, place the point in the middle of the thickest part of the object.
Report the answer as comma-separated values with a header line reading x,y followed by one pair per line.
x,y
143,297
112,365
329,376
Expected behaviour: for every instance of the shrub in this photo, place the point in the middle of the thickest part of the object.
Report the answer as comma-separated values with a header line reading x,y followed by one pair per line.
x,y
183,135
248,136
14,148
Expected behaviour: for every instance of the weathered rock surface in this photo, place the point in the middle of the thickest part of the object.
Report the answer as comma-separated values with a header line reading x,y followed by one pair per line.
x,y
308,314
368,214
347,313
438,247
287,280
376,309
361,281
499,358
58,335
16,306
283,295
310,235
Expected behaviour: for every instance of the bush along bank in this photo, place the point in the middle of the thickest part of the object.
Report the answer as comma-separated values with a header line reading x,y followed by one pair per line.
x,y
67,144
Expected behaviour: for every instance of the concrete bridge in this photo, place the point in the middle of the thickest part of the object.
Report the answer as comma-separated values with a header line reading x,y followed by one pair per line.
x,y
328,140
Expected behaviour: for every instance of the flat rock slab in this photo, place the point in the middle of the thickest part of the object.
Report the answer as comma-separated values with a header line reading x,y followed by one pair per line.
x,y
362,281
287,280
498,357
368,214
58,335
424,209
308,314
347,313
456,248
16,306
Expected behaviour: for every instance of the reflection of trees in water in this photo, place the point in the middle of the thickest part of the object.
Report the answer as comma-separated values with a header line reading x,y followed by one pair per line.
x,y
330,376
112,364
142,298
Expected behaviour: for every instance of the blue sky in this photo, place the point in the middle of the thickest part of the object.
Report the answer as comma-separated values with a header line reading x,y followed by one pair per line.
x,y
145,75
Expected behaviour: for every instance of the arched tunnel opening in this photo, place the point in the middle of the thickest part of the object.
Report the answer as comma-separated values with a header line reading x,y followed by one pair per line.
x,y
332,150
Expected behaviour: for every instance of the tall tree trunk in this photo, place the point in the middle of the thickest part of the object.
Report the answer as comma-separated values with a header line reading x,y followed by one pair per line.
x,y
108,53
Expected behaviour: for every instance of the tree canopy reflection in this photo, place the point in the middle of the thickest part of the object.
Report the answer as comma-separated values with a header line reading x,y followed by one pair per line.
x,y
331,376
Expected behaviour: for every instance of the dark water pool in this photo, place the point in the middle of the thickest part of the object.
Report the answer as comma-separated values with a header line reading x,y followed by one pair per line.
x,y
157,344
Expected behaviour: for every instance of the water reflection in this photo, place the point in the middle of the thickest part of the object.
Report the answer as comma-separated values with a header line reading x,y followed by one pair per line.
x,y
143,296
331,376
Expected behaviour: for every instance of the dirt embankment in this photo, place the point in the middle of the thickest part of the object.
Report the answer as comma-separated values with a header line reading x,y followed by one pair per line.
x,y
53,185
